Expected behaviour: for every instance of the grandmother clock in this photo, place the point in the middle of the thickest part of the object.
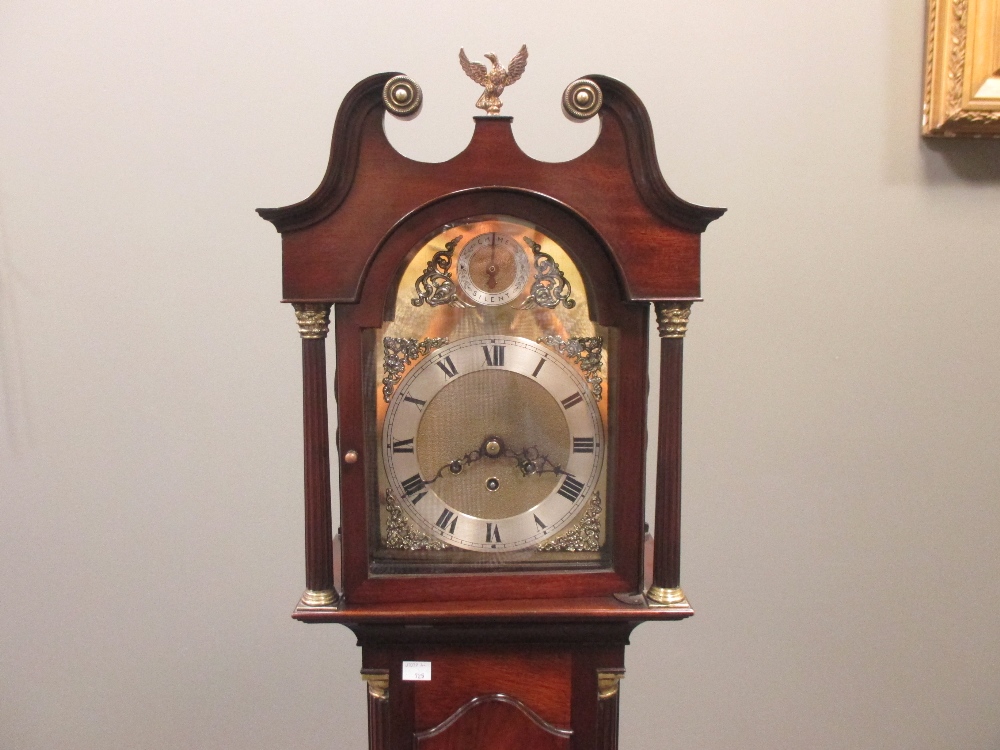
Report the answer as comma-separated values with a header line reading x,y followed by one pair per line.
x,y
490,323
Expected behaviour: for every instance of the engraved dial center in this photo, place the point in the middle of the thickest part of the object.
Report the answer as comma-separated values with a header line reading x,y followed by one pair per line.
x,y
450,432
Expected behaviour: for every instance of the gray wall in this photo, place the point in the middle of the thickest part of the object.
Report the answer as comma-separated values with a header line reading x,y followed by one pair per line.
x,y
842,407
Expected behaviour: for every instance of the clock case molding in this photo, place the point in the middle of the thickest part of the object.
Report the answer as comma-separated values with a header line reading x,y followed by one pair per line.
x,y
345,244
538,653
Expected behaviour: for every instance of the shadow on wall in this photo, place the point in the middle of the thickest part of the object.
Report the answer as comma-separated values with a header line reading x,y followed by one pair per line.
x,y
965,159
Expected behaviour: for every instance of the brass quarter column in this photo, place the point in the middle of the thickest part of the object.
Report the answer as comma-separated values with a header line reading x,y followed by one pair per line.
x,y
314,323
671,319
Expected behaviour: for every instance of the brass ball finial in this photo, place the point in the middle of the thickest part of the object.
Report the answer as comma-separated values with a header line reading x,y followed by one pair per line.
x,y
402,96
582,99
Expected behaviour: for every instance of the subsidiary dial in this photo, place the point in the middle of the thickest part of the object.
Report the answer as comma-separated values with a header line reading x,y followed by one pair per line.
x,y
493,269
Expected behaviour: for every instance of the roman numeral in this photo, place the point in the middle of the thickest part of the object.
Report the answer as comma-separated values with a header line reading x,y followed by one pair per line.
x,y
420,404
497,359
580,445
572,400
571,488
413,485
539,523
406,446
538,367
447,367
447,517
492,533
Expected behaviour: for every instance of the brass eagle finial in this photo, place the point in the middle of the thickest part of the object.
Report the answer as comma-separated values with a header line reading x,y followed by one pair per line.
x,y
494,81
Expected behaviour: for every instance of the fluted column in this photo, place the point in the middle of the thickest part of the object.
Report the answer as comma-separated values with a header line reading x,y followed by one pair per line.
x,y
671,320
608,687
377,681
314,323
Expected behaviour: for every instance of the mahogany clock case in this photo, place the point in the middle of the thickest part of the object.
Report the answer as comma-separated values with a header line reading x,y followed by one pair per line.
x,y
634,242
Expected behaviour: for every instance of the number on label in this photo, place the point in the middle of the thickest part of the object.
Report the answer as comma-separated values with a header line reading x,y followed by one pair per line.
x,y
571,488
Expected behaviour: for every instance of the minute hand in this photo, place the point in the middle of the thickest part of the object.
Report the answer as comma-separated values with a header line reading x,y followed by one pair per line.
x,y
529,461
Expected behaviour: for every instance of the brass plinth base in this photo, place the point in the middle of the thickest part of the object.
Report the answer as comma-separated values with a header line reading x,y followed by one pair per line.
x,y
660,597
312,598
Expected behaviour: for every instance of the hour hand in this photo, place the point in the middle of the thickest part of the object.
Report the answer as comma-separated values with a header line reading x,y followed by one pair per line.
x,y
531,462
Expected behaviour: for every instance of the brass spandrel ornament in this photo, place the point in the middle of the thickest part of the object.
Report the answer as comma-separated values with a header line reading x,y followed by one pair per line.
x,y
495,80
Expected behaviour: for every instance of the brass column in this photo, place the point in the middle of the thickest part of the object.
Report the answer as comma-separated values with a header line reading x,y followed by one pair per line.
x,y
314,323
671,320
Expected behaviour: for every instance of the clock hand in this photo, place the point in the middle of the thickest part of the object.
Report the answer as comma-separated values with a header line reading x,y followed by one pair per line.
x,y
530,460
456,466
491,272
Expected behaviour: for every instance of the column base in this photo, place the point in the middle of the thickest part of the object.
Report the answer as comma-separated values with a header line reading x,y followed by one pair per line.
x,y
661,597
327,598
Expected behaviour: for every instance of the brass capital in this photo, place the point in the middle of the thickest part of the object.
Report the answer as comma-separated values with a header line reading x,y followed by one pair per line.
x,y
672,318
607,682
378,682
313,318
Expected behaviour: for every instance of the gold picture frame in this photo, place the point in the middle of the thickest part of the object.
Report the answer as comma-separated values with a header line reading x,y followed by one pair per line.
x,y
962,83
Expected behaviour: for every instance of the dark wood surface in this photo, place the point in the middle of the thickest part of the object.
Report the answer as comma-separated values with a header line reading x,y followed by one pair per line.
x,y
492,722
379,722
316,439
549,688
460,676
607,723
667,536
330,238
595,617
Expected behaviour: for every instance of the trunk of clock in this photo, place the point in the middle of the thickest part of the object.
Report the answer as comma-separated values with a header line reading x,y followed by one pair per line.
x,y
494,687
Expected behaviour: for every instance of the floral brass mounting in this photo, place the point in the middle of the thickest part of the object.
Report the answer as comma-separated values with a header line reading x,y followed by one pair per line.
x,y
398,354
400,533
583,536
587,352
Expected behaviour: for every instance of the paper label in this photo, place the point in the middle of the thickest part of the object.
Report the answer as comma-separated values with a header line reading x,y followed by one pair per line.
x,y
416,671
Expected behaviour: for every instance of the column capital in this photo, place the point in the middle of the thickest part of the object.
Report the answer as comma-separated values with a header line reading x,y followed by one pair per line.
x,y
377,681
313,318
672,318
607,682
